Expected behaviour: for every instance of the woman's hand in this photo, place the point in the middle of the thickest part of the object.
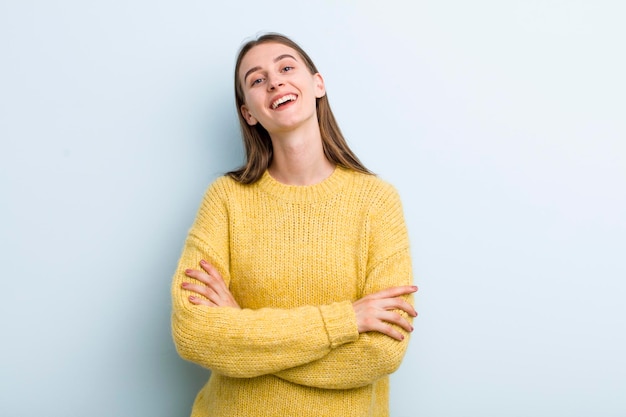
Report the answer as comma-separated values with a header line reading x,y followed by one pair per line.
x,y
213,289
373,312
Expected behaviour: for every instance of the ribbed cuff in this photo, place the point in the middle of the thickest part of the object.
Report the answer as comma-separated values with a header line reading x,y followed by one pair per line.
x,y
340,322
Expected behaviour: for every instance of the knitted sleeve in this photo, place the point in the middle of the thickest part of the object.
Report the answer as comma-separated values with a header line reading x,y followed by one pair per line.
x,y
373,355
243,342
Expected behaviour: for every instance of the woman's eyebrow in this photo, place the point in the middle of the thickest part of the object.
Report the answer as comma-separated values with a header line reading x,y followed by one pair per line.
x,y
283,56
278,58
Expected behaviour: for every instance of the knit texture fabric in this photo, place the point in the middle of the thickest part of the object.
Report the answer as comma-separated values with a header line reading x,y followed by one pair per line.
x,y
294,258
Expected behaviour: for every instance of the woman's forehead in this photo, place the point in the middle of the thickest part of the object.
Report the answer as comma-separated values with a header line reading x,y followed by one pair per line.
x,y
259,55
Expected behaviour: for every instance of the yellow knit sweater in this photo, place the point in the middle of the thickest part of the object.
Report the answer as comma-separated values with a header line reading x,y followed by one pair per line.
x,y
294,258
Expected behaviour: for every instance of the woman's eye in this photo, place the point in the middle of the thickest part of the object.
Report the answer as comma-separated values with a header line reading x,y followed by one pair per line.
x,y
257,81
287,68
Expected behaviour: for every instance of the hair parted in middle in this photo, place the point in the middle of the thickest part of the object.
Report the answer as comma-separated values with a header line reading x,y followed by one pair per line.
x,y
257,141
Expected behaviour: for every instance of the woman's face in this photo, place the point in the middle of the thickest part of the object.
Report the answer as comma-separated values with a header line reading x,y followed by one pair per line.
x,y
279,90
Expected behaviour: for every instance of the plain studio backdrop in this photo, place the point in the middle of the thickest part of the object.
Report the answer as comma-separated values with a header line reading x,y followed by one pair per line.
x,y
501,123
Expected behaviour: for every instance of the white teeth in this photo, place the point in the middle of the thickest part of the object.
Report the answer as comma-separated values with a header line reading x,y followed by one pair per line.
x,y
283,99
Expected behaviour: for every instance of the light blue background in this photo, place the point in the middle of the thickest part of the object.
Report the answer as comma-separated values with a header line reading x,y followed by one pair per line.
x,y
501,123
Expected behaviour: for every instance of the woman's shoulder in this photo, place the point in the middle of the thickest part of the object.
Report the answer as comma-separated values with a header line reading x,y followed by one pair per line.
x,y
223,188
376,187
227,183
224,181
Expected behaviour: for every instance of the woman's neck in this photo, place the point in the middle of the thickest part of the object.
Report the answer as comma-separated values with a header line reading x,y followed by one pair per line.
x,y
299,159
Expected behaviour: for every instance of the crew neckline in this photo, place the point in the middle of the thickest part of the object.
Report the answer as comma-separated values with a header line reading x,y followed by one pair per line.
x,y
304,193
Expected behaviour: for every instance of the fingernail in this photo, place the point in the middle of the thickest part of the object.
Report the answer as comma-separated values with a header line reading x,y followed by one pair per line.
x,y
203,262
187,271
184,284
192,298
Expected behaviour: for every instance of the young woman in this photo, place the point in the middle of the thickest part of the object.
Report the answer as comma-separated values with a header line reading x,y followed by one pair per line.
x,y
294,285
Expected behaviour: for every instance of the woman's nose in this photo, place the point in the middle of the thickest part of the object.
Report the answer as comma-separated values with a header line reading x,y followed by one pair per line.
x,y
274,82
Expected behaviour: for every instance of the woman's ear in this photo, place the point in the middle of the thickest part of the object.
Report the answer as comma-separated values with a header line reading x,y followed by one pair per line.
x,y
320,88
250,119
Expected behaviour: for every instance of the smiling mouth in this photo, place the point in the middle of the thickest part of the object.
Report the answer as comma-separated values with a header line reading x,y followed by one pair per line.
x,y
284,99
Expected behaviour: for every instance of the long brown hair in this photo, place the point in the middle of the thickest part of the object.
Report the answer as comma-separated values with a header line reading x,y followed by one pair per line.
x,y
259,150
